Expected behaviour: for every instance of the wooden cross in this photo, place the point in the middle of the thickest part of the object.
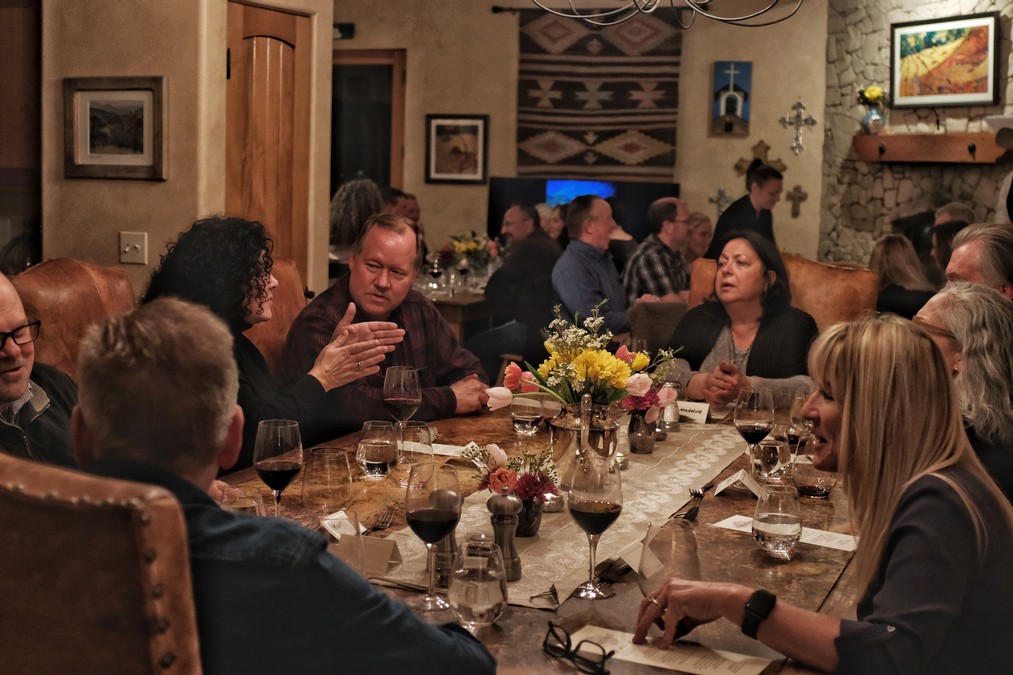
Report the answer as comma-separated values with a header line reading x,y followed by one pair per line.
x,y
799,121
760,151
796,197
721,200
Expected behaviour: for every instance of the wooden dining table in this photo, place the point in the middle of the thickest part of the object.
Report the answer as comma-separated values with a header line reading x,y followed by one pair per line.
x,y
815,578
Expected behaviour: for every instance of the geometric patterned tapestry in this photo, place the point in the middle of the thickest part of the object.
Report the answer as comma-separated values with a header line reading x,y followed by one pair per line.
x,y
598,102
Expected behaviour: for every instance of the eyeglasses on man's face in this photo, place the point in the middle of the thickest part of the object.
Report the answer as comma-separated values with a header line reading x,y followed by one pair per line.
x,y
587,656
21,335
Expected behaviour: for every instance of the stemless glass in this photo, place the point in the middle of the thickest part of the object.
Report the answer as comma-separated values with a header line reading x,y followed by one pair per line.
x,y
478,588
595,500
777,523
402,396
770,460
432,509
242,499
377,451
327,482
754,415
416,447
669,551
526,414
277,455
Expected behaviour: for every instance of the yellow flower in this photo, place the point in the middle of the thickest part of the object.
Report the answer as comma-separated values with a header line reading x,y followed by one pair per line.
x,y
598,366
640,361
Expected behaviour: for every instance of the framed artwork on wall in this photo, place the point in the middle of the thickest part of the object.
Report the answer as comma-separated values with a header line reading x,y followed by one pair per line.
x,y
114,127
730,102
945,62
456,148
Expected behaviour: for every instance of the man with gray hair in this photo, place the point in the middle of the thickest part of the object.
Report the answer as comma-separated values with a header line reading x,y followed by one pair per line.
x,y
954,211
983,254
157,404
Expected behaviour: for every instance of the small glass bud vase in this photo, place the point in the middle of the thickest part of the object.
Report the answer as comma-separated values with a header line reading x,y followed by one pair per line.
x,y
873,122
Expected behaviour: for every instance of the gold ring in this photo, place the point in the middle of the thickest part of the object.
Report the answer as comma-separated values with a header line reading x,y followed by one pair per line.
x,y
654,601
358,365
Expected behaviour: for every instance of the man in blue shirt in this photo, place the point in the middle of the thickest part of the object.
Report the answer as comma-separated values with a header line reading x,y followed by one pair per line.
x,y
157,404
585,275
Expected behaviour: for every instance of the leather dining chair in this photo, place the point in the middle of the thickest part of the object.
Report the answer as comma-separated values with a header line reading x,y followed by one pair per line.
x,y
94,575
829,293
69,295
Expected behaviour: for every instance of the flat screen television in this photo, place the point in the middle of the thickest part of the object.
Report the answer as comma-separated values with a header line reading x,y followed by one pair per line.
x,y
634,198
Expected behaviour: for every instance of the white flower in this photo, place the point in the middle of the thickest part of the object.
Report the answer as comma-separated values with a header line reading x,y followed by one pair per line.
x,y
497,457
499,397
639,384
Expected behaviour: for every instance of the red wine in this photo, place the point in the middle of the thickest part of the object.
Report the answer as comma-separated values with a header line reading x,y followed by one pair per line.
x,y
814,491
432,525
402,407
594,517
753,432
277,473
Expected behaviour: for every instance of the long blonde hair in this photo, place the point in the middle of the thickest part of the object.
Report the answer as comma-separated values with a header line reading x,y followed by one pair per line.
x,y
895,261
900,421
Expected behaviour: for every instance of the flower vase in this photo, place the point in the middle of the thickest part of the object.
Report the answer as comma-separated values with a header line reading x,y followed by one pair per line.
x,y
642,433
873,121
565,436
530,518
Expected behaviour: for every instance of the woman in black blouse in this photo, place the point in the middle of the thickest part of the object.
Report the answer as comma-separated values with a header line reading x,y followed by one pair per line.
x,y
225,264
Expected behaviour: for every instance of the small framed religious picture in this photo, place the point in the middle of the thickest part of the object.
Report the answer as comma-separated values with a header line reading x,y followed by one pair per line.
x,y
114,127
945,62
733,81
456,148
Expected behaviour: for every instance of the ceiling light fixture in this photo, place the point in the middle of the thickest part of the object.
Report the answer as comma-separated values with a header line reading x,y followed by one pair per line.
x,y
609,17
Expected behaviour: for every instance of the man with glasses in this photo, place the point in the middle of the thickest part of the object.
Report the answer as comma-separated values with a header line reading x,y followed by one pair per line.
x,y
35,399
657,271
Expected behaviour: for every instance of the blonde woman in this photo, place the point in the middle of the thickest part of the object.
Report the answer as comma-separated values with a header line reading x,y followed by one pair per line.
x,y
701,231
936,533
903,286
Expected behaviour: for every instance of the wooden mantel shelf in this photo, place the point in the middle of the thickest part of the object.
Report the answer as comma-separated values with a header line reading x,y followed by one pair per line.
x,y
952,148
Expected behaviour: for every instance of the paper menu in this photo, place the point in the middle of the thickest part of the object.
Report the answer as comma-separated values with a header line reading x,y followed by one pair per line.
x,y
835,540
683,657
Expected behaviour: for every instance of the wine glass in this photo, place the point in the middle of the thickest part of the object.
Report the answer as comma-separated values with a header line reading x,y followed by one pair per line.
x,y
478,586
402,397
277,455
754,415
377,450
432,509
777,523
327,482
595,500
770,460
417,447
669,551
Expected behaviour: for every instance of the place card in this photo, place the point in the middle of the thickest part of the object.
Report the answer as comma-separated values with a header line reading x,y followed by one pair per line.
x,y
834,540
448,450
693,411
687,658
743,478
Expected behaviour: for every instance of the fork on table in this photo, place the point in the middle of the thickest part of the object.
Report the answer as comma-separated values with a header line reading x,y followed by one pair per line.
x,y
382,522
691,510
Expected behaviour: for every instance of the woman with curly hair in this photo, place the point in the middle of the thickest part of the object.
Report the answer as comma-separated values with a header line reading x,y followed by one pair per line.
x,y
225,264
931,566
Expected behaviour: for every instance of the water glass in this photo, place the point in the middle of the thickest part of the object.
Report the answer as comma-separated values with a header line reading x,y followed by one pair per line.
x,y
478,585
242,499
377,451
777,523
327,481
526,414
771,460
417,447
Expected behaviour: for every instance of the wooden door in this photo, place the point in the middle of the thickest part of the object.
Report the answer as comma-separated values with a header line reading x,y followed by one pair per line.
x,y
268,121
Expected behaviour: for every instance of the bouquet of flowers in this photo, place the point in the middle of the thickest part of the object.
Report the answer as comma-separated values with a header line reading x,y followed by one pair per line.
x,y
871,95
578,362
471,247
529,476
645,393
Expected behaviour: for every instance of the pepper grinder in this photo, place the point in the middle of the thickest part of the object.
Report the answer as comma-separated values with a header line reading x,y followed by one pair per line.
x,y
446,548
504,508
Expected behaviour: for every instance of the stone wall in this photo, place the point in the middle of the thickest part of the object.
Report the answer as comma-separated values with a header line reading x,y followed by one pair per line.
x,y
860,200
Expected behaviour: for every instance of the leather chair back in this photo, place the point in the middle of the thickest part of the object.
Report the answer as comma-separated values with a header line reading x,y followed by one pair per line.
x,y
829,293
655,322
70,295
95,575
289,300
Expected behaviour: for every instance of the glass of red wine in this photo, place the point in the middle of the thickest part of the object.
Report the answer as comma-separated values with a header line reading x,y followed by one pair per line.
x,y
595,500
278,455
432,509
754,415
402,396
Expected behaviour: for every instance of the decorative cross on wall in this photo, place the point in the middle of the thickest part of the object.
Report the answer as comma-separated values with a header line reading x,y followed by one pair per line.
x,y
760,151
721,200
796,197
799,121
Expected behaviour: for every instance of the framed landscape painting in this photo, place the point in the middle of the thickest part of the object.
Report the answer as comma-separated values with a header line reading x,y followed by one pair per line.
x,y
456,147
945,62
114,127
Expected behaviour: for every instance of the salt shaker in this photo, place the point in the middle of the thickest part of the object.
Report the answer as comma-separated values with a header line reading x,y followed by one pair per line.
x,y
504,508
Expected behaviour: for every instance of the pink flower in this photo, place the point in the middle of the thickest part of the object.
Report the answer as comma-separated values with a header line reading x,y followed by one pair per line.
x,y
499,397
502,478
666,396
512,376
652,414
497,458
624,354
639,384
526,378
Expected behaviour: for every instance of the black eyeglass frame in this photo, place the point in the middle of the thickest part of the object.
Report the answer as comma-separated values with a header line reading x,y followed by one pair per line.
x,y
565,650
33,334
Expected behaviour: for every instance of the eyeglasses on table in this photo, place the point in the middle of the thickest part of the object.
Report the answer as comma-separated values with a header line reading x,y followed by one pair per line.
x,y
587,656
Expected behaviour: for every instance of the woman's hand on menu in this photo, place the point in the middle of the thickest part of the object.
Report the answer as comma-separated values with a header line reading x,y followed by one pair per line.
x,y
679,606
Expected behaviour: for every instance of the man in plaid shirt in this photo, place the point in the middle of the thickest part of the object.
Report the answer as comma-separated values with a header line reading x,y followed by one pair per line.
x,y
384,262
657,271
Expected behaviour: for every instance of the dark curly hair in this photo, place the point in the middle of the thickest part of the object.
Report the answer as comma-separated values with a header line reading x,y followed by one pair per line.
x,y
219,262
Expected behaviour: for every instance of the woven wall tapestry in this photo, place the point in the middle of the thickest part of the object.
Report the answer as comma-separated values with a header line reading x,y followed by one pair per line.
x,y
596,102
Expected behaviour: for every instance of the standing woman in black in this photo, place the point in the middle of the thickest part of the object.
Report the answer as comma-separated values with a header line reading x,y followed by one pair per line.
x,y
751,213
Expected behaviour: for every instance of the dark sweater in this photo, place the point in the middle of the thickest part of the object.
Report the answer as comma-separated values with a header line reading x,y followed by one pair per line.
x,y
740,216
42,431
901,301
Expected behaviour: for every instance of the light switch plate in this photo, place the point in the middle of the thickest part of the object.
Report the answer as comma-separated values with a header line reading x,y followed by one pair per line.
x,y
134,248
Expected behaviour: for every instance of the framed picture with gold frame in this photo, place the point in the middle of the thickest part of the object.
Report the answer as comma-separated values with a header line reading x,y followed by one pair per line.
x,y
114,127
